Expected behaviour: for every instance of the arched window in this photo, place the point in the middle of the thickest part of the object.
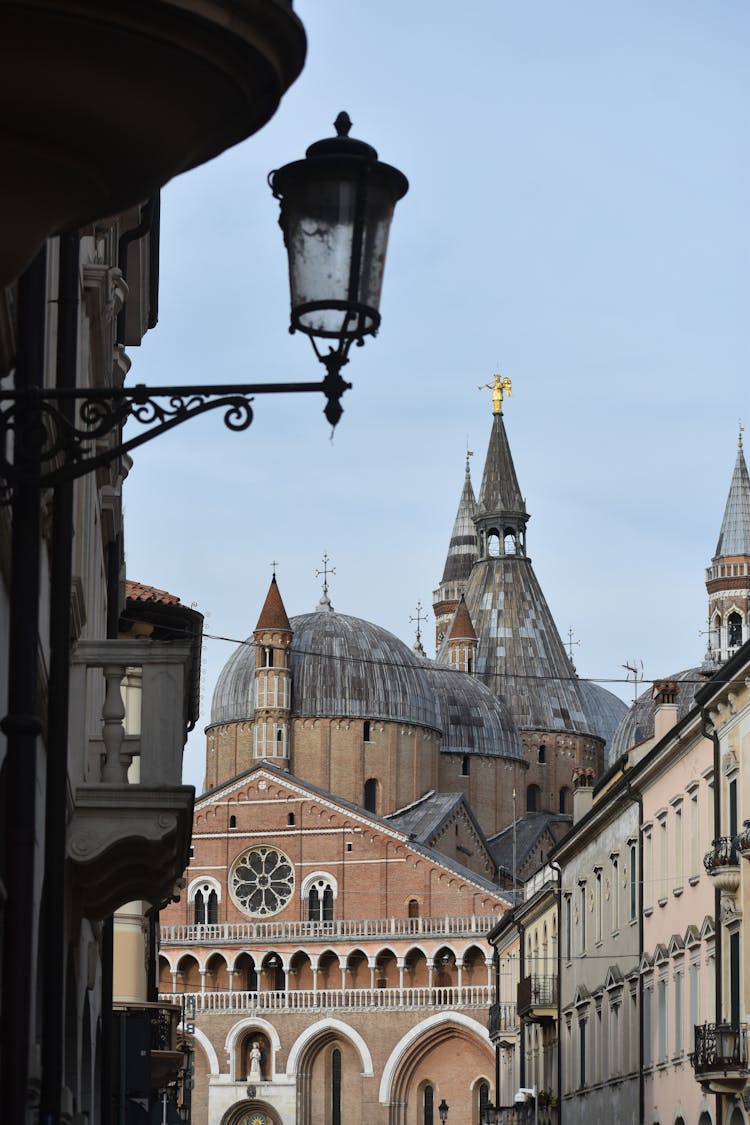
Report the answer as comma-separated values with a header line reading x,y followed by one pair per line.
x,y
493,544
371,794
320,901
533,798
290,819
564,799
412,908
542,755
734,630
428,1105
366,730
233,822
483,1099
268,657
335,1086
205,906
465,766
509,543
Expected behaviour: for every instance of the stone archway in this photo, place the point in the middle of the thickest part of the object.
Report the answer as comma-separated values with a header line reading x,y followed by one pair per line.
x,y
251,1112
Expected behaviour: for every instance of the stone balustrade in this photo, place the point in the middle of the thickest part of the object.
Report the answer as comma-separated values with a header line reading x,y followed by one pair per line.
x,y
228,933
351,999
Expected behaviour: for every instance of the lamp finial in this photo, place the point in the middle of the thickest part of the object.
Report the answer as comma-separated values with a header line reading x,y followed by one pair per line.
x,y
342,124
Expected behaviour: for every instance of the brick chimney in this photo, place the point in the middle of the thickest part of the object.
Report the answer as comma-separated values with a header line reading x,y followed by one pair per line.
x,y
583,791
665,715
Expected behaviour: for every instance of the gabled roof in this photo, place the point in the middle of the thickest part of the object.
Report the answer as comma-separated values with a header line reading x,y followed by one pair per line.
x,y
425,819
734,537
614,977
273,615
529,832
148,595
377,823
676,945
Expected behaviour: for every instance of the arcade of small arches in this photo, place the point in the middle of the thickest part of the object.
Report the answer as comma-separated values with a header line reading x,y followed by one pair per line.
x,y
728,632
445,967
534,801
497,542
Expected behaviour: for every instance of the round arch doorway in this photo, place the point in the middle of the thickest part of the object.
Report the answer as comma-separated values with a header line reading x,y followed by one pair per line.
x,y
251,1112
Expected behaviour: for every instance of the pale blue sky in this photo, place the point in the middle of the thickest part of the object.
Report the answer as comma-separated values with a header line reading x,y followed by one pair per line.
x,y
577,219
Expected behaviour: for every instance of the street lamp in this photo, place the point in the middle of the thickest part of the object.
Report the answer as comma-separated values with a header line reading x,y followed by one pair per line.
x,y
443,1111
526,1094
336,209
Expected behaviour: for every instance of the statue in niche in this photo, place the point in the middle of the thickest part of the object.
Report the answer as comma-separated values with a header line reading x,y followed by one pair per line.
x,y
255,1075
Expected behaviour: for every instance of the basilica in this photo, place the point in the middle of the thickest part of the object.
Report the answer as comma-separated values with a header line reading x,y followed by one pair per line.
x,y
350,851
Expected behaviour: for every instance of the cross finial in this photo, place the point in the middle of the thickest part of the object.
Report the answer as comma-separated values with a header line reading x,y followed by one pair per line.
x,y
469,453
273,566
739,439
325,572
501,386
570,644
420,617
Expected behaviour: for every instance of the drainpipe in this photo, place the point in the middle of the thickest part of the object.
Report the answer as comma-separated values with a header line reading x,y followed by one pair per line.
x,y
521,1024
709,731
22,724
638,799
53,936
558,870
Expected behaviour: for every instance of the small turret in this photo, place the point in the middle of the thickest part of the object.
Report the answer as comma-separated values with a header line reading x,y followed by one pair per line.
x,y
728,577
273,639
462,641
462,554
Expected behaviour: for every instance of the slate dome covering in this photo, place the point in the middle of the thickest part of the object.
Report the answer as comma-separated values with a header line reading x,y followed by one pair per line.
x,y
472,718
340,666
638,722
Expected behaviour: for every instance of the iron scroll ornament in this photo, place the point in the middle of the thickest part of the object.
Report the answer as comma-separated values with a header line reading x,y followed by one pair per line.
x,y
69,443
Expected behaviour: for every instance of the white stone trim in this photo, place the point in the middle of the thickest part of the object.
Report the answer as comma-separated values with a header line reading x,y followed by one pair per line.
x,y
245,1025
397,1054
313,878
199,882
342,1029
208,1047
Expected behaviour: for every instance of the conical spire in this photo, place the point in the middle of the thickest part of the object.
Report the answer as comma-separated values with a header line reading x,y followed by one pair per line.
x,y
462,550
734,537
462,628
273,615
499,492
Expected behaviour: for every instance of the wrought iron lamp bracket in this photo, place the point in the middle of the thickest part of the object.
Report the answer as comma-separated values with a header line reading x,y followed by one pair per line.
x,y
75,431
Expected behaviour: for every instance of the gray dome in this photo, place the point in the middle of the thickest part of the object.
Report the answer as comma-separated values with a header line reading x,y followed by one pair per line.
x,y
638,722
473,719
604,710
340,666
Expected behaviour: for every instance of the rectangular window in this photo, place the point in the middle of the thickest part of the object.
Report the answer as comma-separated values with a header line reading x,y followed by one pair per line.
x,y
678,1039
614,1037
598,907
582,1053
568,928
662,1013
647,1037
648,870
663,859
733,807
679,844
582,901
695,836
694,1001
734,979
615,892
633,883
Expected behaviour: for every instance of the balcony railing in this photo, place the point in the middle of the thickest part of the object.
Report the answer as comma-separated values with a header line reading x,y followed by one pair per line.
x,y
723,863
537,994
151,1029
502,1019
351,999
240,933
130,831
720,1056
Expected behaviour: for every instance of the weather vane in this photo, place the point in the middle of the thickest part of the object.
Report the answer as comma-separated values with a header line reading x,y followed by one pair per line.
x,y
501,386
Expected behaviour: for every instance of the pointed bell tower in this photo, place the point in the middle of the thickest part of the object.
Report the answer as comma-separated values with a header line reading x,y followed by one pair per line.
x,y
501,515
273,687
462,554
728,576
462,641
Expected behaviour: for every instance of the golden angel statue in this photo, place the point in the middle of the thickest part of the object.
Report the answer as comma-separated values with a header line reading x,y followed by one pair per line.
x,y
501,386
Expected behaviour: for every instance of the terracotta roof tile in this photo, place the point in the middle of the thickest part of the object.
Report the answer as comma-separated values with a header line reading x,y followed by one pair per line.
x,y
273,615
138,592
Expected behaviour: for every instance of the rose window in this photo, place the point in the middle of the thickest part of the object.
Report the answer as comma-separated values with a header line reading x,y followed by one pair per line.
x,y
261,881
